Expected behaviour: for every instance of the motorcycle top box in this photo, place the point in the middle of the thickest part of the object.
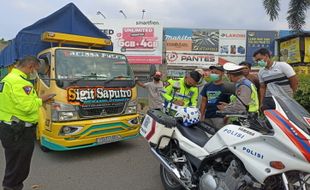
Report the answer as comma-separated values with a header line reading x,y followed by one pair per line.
x,y
155,124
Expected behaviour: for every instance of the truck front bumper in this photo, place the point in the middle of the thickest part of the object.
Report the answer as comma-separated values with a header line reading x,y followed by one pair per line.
x,y
94,133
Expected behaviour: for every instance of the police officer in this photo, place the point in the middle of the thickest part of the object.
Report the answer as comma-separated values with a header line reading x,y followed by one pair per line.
x,y
186,93
246,97
19,114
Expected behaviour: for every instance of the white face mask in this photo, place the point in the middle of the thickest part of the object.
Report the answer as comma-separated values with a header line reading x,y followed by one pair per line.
x,y
33,75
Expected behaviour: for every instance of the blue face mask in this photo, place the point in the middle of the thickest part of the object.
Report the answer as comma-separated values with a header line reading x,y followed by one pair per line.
x,y
214,77
262,63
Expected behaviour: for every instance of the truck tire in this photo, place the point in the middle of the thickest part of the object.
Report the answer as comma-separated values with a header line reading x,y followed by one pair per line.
x,y
44,149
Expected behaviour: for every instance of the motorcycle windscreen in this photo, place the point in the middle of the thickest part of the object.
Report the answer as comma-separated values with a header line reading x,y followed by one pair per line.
x,y
294,111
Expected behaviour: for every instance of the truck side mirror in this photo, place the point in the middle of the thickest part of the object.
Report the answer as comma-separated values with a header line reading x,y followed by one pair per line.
x,y
60,83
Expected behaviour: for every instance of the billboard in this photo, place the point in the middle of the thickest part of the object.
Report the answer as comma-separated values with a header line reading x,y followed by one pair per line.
x,y
139,40
205,40
198,59
290,50
232,46
191,47
259,39
307,50
177,39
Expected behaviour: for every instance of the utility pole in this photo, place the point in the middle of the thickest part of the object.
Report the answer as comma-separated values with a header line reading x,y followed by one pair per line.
x,y
143,11
100,13
123,13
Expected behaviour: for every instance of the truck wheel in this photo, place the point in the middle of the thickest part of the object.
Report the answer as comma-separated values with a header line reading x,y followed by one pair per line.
x,y
169,182
44,149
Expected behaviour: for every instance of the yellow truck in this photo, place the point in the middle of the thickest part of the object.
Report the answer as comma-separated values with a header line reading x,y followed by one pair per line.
x,y
96,96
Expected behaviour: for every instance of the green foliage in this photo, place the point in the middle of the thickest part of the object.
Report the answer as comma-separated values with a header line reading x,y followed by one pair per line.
x,y
302,95
272,8
296,14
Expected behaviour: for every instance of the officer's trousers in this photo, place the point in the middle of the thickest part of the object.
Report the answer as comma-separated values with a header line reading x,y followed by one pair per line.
x,y
18,153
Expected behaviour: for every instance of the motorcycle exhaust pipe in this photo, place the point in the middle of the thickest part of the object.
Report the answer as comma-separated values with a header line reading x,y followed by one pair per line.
x,y
172,169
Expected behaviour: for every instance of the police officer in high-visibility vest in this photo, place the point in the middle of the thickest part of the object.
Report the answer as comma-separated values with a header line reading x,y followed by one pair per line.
x,y
186,94
246,96
19,114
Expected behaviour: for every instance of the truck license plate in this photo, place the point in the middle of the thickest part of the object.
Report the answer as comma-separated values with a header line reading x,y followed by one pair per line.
x,y
109,139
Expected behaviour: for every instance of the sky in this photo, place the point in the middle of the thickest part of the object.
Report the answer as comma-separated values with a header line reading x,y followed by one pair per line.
x,y
212,14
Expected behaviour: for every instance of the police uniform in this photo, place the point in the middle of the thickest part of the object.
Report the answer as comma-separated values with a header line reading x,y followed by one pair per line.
x,y
188,95
245,92
19,114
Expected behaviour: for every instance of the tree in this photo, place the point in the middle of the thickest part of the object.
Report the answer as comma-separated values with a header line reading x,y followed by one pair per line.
x,y
296,14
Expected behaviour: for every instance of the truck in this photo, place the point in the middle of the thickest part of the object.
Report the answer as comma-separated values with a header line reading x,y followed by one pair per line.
x,y
96,95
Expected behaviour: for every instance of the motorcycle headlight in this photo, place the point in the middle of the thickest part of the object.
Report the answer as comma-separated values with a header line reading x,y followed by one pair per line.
x,y
131,107
63,112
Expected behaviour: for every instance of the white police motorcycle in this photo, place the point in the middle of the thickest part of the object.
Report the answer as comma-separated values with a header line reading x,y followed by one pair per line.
x,y
255,154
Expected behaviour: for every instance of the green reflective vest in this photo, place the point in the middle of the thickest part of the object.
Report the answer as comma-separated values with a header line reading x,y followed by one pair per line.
x,y
18,98
188,95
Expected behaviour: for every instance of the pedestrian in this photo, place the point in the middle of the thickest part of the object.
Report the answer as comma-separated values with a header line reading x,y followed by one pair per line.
x,y
184,90
19,114
246,97
154,89
276,72
213,93
205,78
247,73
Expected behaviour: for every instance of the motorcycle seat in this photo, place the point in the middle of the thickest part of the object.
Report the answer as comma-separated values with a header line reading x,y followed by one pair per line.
x,y
195,134
162,118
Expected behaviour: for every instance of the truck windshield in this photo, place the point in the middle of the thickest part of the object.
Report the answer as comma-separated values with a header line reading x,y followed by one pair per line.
x,y
91,65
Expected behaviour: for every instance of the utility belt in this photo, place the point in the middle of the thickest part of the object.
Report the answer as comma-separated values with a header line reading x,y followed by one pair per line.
x,y
17,127
21,123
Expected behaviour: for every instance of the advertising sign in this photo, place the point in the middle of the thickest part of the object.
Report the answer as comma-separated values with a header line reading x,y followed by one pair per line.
x,y
259,39
191,59
205,40
139,40
232,46
307,50
178,39
290,51
232,42
284,33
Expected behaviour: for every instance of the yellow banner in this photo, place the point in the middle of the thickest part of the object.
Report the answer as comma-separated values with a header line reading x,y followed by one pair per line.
x,y
307,50
290,51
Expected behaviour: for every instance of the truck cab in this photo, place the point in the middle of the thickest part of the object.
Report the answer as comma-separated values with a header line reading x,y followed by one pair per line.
x,y
96,96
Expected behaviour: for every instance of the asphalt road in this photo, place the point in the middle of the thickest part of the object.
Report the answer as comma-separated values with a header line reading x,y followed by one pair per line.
x,y
118,166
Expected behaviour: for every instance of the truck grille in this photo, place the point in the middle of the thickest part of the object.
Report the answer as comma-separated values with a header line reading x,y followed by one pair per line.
x,y
102,110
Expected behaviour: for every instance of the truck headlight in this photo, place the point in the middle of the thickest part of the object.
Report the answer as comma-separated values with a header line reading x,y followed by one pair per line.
x,y
63,112
131,107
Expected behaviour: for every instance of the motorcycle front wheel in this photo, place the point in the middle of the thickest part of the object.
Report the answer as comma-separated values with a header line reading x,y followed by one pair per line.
x,y
169,182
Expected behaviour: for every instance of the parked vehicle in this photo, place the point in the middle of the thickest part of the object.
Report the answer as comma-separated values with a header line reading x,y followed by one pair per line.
x,y
255,154
96,96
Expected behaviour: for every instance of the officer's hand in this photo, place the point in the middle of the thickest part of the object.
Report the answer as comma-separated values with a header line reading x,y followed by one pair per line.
x,y
47,97
221,105
202,117
179,102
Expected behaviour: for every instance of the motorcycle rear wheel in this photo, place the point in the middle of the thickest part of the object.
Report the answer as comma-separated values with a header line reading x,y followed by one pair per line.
x,y
169,182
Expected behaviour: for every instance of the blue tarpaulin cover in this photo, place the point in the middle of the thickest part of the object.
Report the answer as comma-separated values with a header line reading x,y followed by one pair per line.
x,y
68,19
